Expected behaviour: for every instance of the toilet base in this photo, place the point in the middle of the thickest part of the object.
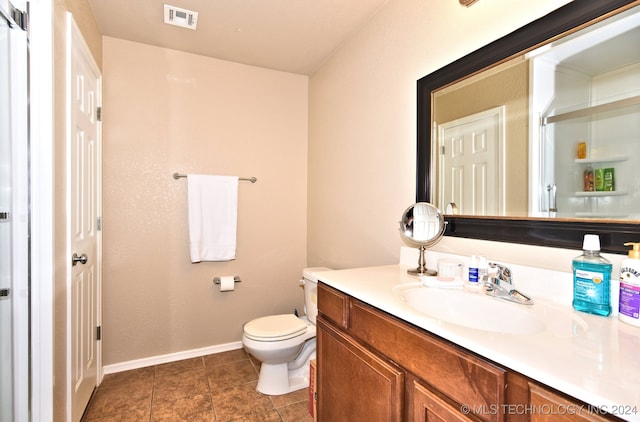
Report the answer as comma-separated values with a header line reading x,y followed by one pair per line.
x,y
283,378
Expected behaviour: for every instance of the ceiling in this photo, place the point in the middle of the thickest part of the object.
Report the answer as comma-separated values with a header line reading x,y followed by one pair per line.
x,y
294,36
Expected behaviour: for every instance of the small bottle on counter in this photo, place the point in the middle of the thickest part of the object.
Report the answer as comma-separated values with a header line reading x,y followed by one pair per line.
x,y
589,185
629,305
591,279
473,270
483,267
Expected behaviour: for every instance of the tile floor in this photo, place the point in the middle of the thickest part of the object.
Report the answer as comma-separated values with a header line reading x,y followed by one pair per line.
x,y
218,387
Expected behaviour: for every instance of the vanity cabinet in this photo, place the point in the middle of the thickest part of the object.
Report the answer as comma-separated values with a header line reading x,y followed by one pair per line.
x,y
373,366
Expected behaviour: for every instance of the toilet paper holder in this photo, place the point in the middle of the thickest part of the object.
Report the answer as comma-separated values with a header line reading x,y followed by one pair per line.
x,y
236,279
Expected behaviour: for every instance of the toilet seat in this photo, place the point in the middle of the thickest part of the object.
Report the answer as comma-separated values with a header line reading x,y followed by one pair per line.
x,y
275,327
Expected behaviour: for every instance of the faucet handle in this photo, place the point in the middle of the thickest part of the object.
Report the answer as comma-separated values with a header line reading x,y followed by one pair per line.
x,y
503,272
498,283
490,279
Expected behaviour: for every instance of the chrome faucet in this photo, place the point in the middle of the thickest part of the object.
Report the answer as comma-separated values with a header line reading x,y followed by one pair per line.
x,y
498,283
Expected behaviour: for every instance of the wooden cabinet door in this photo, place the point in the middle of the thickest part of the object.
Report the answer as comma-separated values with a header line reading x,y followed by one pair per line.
x,y
427,406
353,383
548,406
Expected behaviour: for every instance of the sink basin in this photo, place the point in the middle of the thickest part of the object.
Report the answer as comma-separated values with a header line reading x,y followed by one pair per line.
x,y
481,312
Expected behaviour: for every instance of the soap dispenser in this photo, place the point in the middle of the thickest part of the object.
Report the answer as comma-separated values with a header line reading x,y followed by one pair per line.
x,y
591,279
629,308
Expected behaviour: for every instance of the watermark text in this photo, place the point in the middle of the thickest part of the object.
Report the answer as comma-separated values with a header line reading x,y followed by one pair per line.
x,y
548,409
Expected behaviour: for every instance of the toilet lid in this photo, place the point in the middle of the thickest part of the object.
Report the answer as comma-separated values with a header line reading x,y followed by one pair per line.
x,y
275,327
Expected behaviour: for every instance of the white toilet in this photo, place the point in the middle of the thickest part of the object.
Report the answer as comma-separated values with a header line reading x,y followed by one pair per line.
x,y
284,344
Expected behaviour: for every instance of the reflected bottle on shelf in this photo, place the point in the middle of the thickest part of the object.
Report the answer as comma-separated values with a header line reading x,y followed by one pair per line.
x,y
582,150
599,179
608,179
588,180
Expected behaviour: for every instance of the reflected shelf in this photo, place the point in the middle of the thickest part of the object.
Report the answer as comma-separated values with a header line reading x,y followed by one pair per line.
x,y
601,193
587,111
616,159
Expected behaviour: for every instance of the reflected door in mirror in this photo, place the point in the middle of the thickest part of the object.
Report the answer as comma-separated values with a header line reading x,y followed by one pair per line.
x,y
470,167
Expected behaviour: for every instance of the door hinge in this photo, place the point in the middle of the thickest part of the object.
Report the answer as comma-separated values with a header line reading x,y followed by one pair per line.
x,y
99,332
20,18
5,216
442,150
99,114
99,224
5,292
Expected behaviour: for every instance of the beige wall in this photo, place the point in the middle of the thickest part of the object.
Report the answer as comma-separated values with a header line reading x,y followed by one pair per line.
x,y
167,111
85,21
362,129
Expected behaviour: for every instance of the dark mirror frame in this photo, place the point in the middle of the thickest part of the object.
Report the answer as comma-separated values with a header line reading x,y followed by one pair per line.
x,y
530,231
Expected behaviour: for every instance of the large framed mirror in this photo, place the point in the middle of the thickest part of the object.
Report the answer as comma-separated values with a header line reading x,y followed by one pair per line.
x,y
535,138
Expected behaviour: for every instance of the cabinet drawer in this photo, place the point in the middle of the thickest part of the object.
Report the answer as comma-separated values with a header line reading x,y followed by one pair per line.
x,y
463,377
333,305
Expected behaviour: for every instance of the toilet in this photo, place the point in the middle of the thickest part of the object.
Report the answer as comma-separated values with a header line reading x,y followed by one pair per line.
x,y
285,343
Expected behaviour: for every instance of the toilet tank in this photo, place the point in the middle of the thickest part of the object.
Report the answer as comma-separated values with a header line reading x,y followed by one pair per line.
x,y
310,283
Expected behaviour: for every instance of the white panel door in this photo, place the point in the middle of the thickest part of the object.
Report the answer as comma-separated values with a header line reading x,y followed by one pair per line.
x,y
84,200
469,170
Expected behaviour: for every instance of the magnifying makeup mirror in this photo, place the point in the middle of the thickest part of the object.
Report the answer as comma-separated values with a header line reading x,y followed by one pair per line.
x,y
422,226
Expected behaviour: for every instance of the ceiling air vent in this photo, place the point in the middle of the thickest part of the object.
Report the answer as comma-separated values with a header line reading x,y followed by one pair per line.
x,y
180,17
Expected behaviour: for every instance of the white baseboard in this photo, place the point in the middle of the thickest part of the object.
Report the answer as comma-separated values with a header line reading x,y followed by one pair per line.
x,y
171,357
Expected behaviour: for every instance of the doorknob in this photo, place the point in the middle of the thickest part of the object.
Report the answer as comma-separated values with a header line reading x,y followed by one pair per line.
x,y
81,259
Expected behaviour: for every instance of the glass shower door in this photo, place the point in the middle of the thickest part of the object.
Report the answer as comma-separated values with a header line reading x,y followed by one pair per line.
x,y
14,217
6,324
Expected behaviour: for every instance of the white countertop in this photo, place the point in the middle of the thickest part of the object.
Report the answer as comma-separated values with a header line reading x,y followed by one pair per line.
x,y
600,366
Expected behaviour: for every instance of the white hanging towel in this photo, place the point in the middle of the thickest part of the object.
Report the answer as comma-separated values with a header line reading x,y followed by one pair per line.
x,y
213,217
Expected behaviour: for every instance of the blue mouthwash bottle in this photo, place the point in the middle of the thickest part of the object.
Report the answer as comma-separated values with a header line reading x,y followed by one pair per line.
x,y
591,279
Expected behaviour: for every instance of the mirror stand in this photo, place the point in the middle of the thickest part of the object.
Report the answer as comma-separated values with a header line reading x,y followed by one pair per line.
x,y
422,267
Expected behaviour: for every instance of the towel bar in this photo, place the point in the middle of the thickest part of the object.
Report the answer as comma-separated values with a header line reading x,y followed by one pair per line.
x,y
248,179
216,280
